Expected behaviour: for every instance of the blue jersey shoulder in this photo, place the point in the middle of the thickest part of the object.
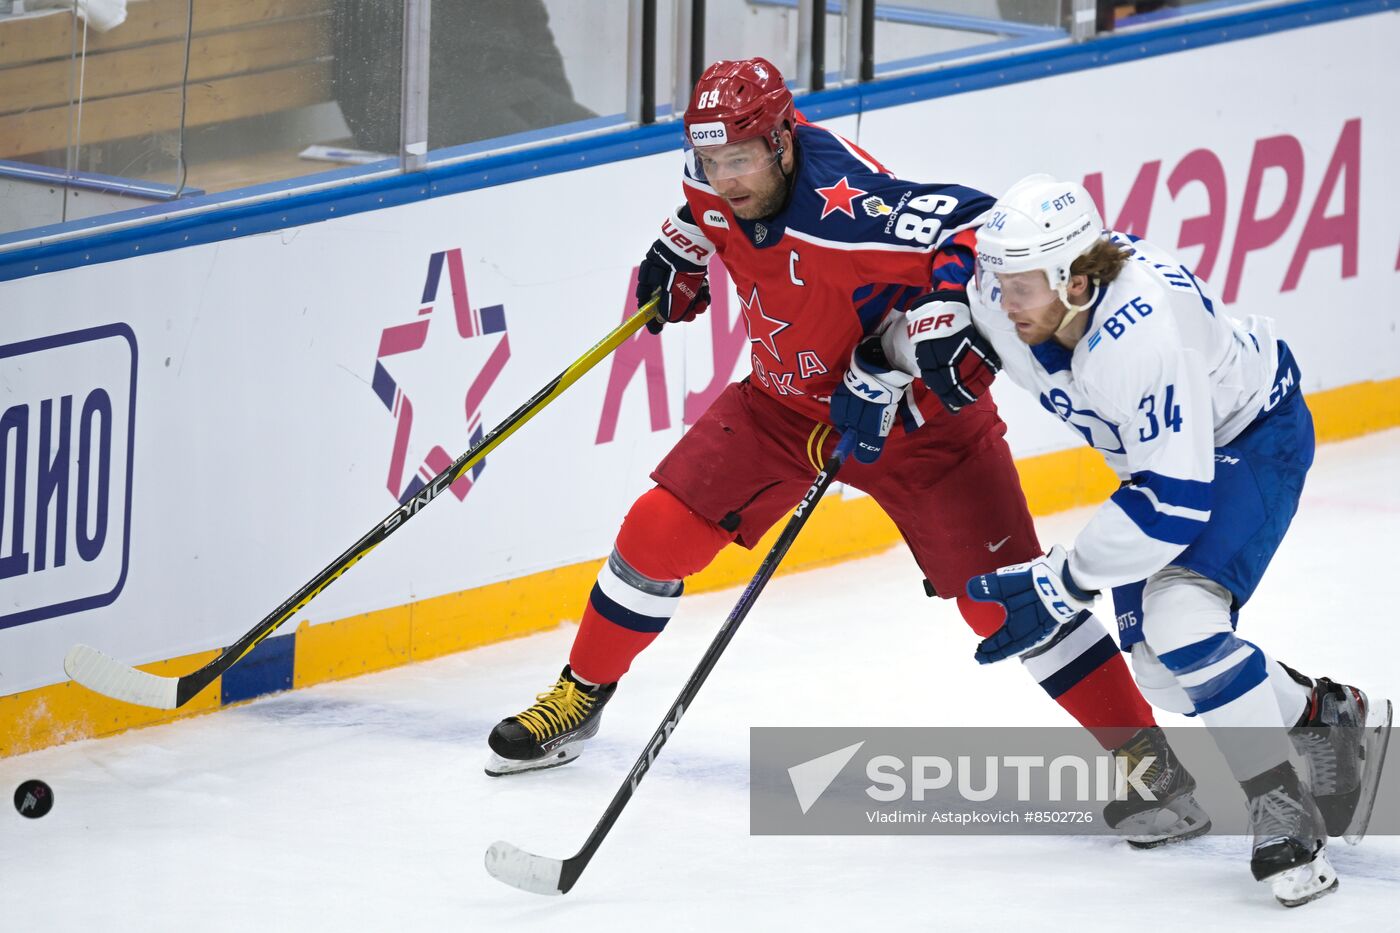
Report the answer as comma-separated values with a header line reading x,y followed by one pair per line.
x,y
839,195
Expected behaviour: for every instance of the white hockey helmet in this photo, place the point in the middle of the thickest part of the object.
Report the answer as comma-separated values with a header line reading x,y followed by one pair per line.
x,y
1040,223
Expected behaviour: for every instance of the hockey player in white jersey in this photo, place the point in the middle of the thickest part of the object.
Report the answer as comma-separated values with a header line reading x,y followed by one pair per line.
x,y
1203,420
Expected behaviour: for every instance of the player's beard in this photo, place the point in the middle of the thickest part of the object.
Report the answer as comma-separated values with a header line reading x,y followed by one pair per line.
x,y
1042,325
764,201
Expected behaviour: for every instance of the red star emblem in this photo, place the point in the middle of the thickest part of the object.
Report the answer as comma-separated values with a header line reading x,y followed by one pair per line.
x,y
839,198
762,328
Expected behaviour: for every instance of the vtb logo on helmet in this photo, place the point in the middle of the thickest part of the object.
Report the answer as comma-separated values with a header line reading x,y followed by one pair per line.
x,y
1040,223
738,100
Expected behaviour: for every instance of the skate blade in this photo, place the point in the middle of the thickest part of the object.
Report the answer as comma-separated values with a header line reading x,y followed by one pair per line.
x,y
1178,821
496,766
1298,886
1378,721
1181,831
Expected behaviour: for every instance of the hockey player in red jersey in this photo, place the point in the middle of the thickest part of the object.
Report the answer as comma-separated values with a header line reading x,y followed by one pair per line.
x,y
825,247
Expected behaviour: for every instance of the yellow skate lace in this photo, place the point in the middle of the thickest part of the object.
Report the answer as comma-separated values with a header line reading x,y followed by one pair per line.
x,y
562,707
1132,754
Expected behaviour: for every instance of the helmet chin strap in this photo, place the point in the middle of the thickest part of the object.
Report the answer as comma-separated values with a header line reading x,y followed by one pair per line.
x,y
1062,289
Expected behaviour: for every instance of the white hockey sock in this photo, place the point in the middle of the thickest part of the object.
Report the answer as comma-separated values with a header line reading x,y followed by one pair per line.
x,y
1292,696
1249,751
1186,622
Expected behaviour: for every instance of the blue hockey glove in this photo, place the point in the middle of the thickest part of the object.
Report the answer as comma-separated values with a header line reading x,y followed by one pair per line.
x,y
677,263
1038,596
940,342
865,402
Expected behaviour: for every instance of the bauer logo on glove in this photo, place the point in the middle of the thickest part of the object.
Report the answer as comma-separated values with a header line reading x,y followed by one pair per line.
x,y
940,343
675,270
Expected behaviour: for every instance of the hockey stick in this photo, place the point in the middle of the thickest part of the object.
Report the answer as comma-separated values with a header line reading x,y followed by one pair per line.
x,y
112,678
539,874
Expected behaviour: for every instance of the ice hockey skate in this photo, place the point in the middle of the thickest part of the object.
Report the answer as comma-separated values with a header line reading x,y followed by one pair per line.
x,y
552,731
1290,843
1342,738
1174,816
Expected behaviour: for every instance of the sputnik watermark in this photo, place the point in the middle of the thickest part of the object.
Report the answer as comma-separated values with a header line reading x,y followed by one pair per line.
x,y
981,780
938,780
1036,780
1064,777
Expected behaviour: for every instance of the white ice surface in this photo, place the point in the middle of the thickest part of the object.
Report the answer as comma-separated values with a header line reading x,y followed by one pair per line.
x,y
362,805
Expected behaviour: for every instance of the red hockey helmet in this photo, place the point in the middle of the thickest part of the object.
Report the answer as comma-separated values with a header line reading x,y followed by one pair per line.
x,y
738,100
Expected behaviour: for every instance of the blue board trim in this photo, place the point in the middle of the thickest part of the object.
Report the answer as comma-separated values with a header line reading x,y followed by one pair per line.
x,y
268,668
357,196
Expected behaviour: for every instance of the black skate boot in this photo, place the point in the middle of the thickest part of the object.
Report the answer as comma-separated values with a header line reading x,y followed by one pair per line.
x,y
1342,737
1174,816
1290,843
552,731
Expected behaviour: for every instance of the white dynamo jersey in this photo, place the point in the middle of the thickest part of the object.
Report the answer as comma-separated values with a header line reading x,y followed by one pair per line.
x,y
1161,378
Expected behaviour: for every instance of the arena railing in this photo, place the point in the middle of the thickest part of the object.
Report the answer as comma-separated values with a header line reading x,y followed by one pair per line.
x,y
186,123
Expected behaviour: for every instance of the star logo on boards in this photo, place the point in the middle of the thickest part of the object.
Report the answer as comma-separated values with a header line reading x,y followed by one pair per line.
x,y
474,351
839,197
762,328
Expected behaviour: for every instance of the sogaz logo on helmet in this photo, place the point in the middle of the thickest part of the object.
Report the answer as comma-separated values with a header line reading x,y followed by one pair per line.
x,y
708,134
67,416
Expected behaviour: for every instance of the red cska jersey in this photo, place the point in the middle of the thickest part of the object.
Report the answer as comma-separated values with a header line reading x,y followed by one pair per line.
x,y
852,244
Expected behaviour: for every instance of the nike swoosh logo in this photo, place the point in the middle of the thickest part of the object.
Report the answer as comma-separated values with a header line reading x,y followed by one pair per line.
x,y
997,547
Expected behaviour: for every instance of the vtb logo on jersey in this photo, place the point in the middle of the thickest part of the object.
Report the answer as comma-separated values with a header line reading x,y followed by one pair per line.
x,y
436,364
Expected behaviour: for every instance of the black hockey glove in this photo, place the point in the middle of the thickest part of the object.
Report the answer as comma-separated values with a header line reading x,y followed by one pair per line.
x,y
957,363
676,264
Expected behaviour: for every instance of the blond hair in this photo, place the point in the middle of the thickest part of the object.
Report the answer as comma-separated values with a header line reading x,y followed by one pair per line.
x,y
1102,262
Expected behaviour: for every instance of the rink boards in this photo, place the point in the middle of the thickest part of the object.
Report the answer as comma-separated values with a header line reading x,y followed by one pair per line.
x,y
207,412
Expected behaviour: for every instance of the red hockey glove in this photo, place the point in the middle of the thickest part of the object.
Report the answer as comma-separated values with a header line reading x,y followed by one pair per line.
x,y
957,363
676,264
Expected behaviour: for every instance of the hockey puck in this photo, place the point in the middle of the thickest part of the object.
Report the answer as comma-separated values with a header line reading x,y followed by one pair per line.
x,y
33,799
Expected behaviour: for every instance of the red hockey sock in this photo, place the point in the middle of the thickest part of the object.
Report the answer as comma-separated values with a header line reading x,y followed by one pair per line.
x,y
603,650
661,543
1108,703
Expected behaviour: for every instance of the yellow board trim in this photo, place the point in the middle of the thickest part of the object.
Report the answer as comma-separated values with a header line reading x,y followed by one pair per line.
x,y
66,712
840,529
